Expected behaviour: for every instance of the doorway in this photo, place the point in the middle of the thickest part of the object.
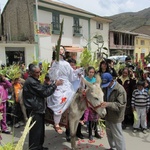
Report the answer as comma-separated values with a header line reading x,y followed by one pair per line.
x,y
15,55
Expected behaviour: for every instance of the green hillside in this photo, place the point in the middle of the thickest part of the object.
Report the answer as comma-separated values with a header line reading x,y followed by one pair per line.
x,y
131,20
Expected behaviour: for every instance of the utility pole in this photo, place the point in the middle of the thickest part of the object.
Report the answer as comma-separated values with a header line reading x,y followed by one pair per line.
x,y
37,35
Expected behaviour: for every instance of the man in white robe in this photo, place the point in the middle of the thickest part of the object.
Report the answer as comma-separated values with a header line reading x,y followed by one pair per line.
x,y
62,97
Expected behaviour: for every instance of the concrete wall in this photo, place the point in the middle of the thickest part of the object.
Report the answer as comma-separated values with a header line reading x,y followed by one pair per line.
x,y
104,32
29,50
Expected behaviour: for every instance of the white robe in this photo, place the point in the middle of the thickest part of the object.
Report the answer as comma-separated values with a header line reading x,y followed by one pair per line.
x,y
62,97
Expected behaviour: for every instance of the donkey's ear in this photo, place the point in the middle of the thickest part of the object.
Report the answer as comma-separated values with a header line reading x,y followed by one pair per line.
x,y
98,78
88,84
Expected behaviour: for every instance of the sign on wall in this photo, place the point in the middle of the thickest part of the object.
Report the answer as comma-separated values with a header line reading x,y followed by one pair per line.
x,y
44,29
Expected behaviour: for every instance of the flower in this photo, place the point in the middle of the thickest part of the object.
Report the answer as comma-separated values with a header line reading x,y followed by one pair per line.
x,y
63,100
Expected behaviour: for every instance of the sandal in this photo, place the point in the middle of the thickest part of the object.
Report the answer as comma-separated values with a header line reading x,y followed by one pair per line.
x,y
58,129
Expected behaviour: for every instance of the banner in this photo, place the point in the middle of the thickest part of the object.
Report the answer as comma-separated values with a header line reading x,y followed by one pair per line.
x,y
44,29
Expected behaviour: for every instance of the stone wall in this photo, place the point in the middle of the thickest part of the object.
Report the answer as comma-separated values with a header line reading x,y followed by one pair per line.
x,y
18,20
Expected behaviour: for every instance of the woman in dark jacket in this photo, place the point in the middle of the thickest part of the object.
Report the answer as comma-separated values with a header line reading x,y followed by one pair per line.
x,y
103,67
129,85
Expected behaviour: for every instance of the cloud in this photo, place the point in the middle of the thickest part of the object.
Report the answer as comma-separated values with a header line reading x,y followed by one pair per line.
x,y
106,7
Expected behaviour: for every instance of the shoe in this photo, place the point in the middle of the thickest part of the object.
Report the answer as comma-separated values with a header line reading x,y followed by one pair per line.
x,y
44,148
97,135
109,149
80,136
123,126
6,131
144,131
58,129
68,138
134,130
17,125
91,138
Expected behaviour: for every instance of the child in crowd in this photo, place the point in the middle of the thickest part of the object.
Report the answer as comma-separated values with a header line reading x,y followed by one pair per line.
x,y
4,85
17,87
140,103
90,115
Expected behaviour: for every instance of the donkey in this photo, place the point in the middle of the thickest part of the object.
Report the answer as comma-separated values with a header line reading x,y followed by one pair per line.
x,y
23,109
93,99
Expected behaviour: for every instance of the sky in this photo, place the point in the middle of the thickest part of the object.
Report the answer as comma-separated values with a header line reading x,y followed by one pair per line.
x,y
103,7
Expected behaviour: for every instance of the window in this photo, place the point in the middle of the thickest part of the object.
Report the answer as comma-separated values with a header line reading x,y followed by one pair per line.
x,y
136,41
76,27
99,26
116,38
142,42
56,23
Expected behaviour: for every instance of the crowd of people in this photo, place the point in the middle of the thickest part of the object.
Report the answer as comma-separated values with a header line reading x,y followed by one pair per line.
x,y
126,99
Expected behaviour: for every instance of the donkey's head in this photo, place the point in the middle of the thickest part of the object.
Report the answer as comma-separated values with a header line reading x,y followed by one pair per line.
x,y
94,95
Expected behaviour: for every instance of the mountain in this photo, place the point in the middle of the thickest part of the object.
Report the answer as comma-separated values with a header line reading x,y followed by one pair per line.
x,y
130,20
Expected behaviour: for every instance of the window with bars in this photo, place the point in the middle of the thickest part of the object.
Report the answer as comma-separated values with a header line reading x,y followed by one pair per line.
x,y
76,27
55,23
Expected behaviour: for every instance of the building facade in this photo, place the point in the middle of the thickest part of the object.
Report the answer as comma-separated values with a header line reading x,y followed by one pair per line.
x,y
38,24
121,42
142,47
132,44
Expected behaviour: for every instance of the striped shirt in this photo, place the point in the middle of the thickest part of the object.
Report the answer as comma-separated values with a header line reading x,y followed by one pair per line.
x,y
140,99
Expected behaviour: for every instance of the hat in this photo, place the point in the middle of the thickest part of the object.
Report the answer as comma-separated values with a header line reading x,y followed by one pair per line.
x,y
106,79
146,71
40,63
148,65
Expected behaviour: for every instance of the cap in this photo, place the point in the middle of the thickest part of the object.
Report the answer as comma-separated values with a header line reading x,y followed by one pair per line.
x,y
140,82
106,79
40,63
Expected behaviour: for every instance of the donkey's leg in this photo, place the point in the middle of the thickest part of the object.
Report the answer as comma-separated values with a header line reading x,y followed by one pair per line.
x,y
73,123
23,109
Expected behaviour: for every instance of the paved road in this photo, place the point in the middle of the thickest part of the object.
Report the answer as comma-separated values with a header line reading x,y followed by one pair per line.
x,y
134,141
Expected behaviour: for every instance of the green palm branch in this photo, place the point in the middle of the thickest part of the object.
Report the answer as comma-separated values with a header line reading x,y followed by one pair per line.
x,y
59,41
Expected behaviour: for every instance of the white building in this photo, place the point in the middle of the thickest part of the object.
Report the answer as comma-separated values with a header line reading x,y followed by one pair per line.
x,y
38,26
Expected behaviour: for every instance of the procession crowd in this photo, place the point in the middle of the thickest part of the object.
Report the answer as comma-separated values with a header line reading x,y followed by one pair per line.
x,y
126,99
